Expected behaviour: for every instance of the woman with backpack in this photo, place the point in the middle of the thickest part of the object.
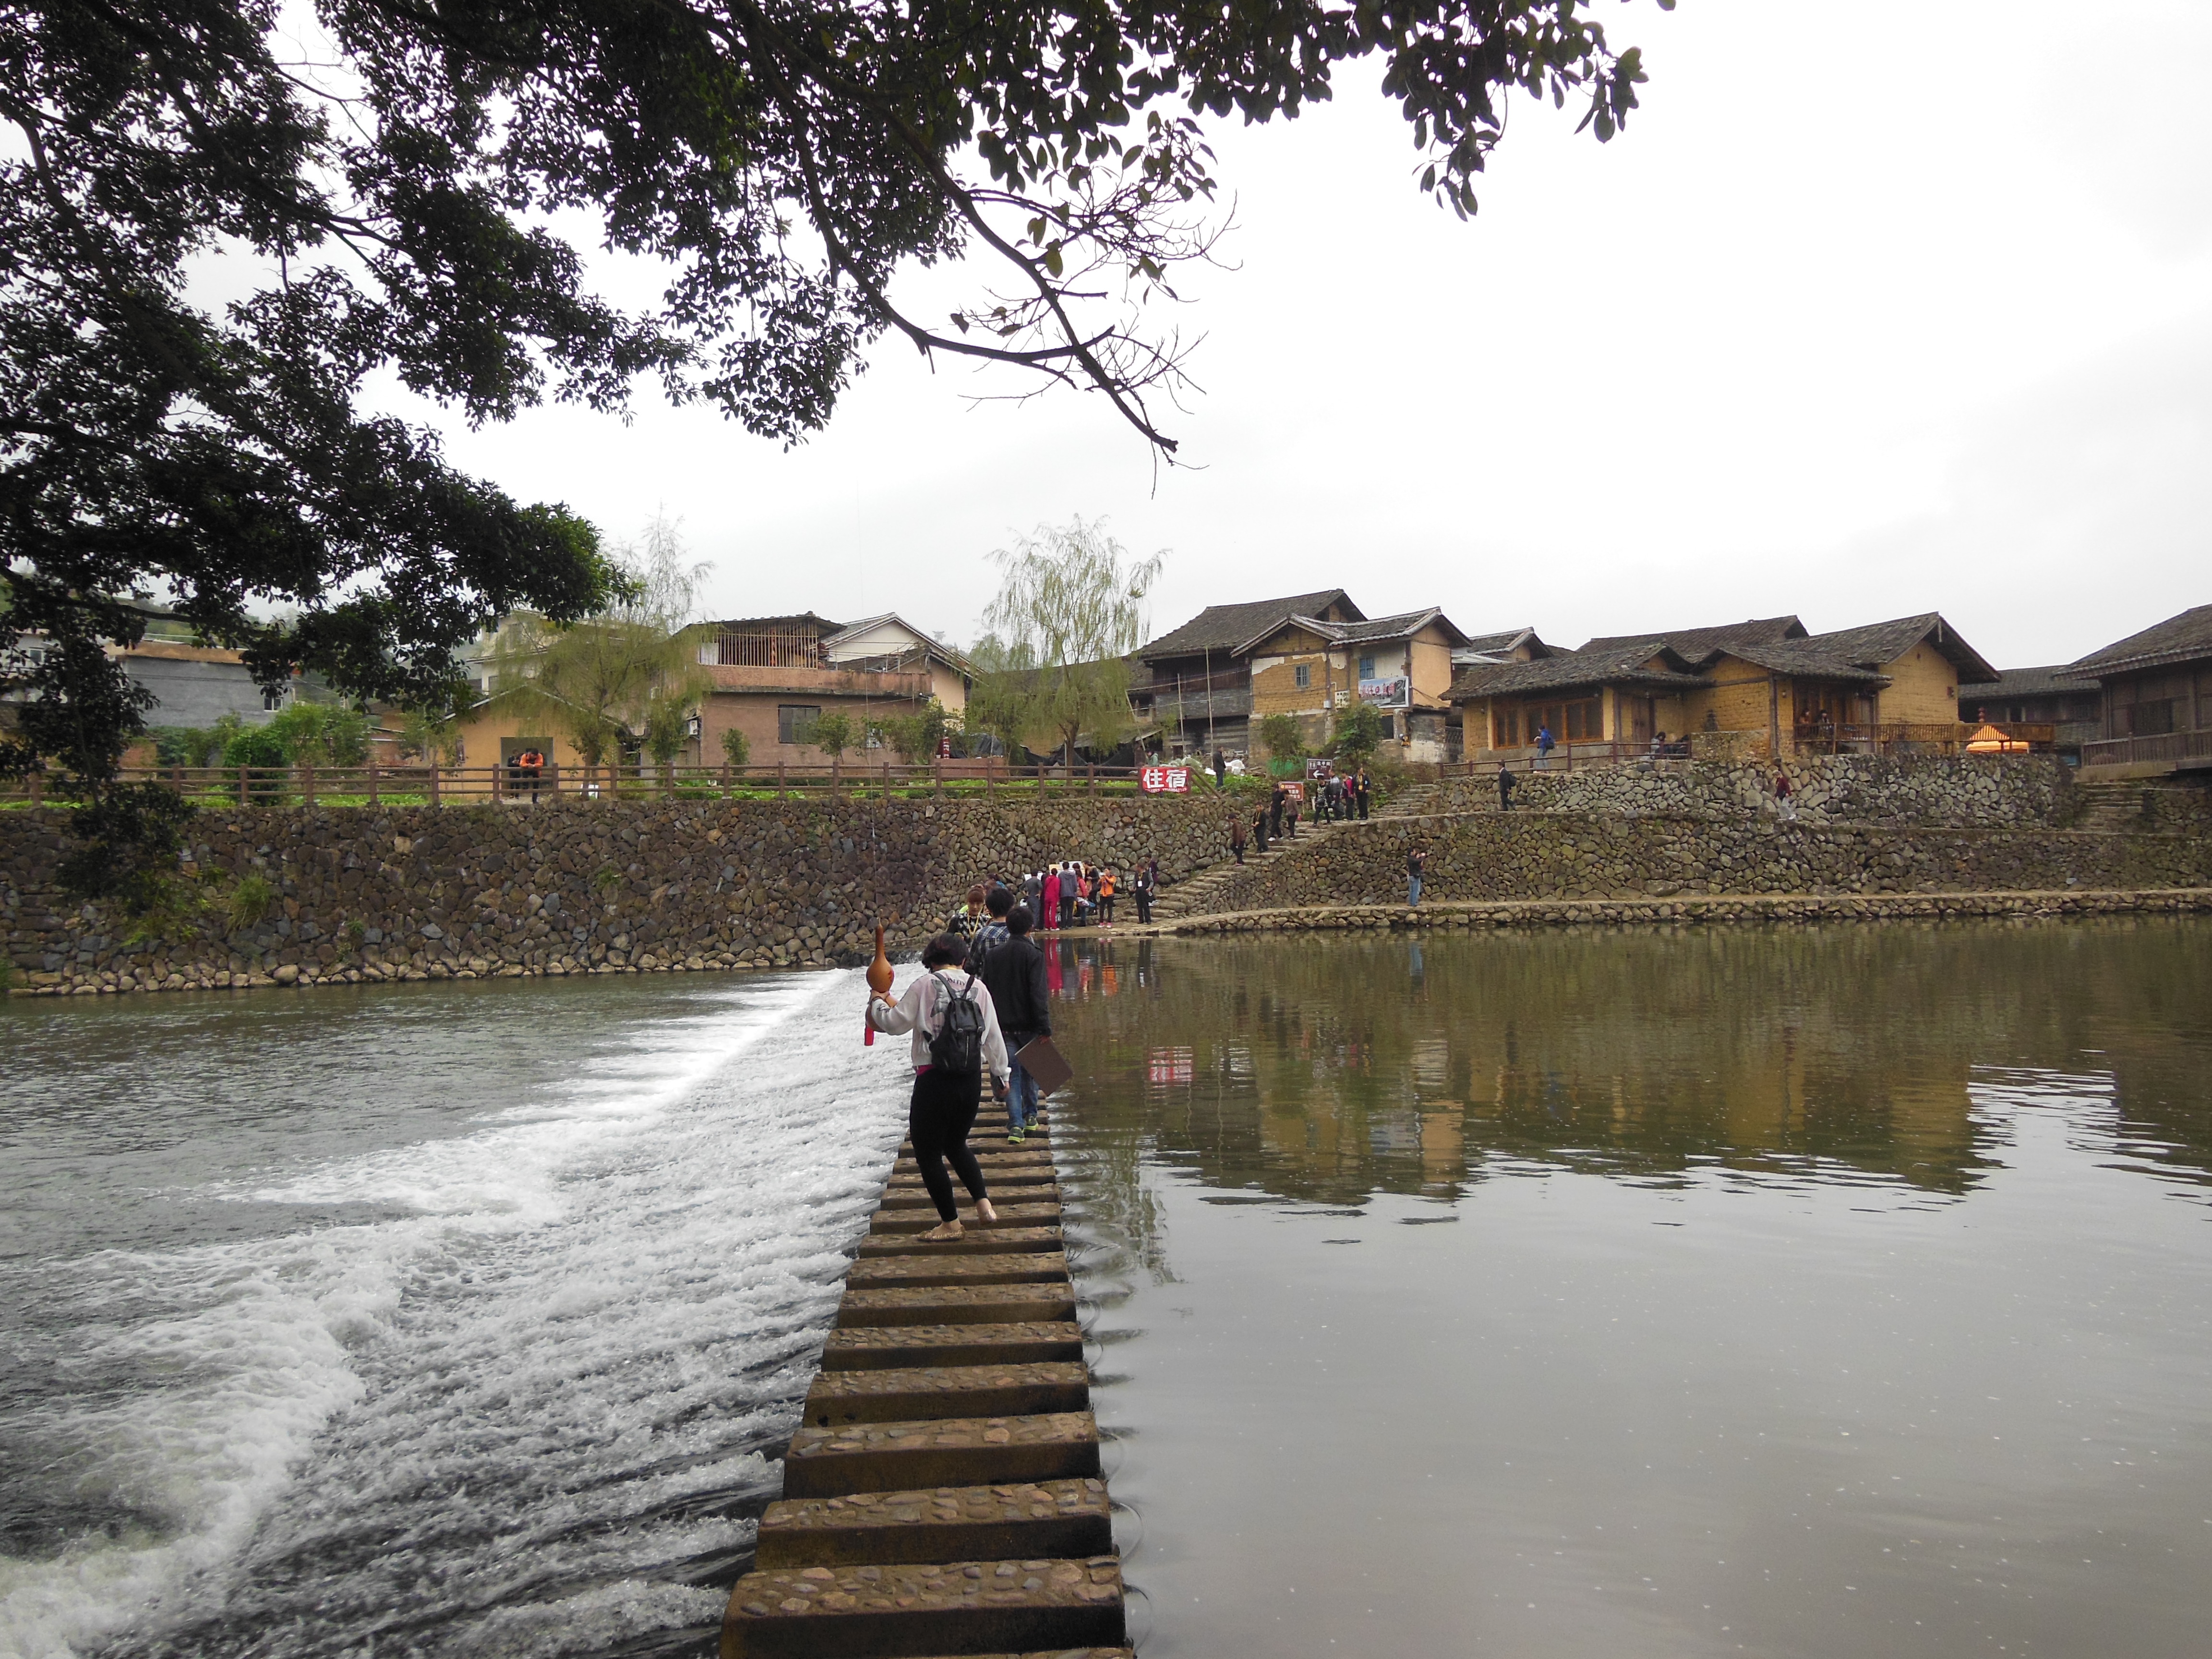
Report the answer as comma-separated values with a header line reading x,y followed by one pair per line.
x,y
956,1036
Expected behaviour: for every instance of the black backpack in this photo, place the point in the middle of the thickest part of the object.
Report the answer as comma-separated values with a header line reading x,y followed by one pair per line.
x,y
958,1047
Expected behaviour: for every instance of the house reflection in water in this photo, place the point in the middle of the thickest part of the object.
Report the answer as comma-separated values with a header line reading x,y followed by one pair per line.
x,y
1327,1067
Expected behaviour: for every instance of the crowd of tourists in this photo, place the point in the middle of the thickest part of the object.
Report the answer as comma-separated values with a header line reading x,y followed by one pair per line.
x,y
983,999
1069,894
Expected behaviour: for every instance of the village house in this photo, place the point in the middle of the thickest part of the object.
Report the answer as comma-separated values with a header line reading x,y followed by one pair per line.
x,y
2049,707
1210,682
2155,695
774,677
1767,686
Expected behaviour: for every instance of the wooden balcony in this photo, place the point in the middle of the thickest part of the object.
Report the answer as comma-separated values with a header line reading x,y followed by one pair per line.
x,y
2169,751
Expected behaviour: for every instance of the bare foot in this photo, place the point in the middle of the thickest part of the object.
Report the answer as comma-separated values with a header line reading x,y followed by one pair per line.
x,y
943,1232
984,1213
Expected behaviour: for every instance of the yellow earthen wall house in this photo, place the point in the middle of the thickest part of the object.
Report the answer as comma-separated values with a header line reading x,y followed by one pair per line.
x,y
1923,688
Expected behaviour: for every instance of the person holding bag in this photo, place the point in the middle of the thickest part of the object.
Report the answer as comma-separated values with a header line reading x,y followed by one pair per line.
x,y
956,1036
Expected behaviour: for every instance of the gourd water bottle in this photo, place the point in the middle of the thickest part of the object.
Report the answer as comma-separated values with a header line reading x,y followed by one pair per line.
x,y
879,982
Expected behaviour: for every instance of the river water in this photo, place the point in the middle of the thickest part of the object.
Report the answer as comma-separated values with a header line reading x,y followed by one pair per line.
x,y
1804,1294
424,1319
1794,1292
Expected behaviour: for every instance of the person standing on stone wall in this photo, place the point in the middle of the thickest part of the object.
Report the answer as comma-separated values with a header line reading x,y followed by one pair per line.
x,y
1785,808
1236,836
1276,797
955,1038
1505,787
1049,896
1016,975
1416,862
1143,888
1260,831
1106,896
1220,767
1360,788
1545,743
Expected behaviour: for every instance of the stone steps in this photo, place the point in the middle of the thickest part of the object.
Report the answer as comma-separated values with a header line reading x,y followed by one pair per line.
x,y
1007,1268
942,1495
978,1240
1033,1341
954,1607
905,1394
961,1523
959,1304
920,1220
916,1197
1190,897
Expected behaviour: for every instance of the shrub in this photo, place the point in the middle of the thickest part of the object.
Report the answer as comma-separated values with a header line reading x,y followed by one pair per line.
x,y
737,749
834,733
250,899
321,734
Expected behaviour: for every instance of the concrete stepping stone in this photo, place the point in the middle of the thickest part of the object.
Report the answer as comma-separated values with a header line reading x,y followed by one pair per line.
x,y
958,1304
912,1394
946,1451
1015,1267
956,1608
916,1197
949,1524
877,1347
999,1174
973,1241
920,1220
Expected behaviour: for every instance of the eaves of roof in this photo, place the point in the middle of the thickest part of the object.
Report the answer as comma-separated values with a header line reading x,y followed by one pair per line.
x,y
2178,639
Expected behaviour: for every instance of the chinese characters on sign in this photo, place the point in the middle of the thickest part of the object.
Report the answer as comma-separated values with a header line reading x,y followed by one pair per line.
x,y
1387,694
1164,780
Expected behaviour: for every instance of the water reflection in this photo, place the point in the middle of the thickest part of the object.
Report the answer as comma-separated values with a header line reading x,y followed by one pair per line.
x,y
1328,1067
1807,1293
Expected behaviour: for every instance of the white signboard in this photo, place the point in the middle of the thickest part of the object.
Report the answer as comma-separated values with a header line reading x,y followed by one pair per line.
x,y
1387,694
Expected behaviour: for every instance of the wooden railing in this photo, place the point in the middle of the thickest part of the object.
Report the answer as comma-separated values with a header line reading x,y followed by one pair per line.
x,y
2167,747
424,784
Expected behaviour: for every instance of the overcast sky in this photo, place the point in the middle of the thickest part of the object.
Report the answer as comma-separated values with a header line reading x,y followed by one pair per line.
x,y
1874,308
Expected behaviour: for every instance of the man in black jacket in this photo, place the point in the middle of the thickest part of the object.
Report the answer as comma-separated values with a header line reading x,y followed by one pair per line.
x,y
1014,975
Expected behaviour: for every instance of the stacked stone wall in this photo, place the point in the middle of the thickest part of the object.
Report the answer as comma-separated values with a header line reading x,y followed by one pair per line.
x,y
1480,856
567,887
1964,792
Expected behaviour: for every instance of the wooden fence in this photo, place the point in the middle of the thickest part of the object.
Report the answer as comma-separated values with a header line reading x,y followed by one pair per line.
x,y
423,785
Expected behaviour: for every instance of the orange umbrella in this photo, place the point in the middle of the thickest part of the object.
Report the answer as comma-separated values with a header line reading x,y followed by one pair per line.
x,y
1990,741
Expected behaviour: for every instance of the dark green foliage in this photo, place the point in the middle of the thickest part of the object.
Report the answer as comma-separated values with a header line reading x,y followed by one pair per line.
x,y
258,746
191,745
397,180
127,842
1359,731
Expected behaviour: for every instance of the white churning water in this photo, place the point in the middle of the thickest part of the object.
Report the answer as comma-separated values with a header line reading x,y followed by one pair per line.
x,y
467,1321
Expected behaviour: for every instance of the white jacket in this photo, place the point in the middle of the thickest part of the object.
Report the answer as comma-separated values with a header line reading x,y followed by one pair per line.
x,y
919,1011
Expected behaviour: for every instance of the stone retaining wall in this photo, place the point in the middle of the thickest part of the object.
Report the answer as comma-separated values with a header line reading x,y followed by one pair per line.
x,y
1514,855
1759,907
567,887
1969,790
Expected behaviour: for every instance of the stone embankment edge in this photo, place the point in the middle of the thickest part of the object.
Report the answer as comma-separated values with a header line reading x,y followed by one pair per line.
x,y
1726,907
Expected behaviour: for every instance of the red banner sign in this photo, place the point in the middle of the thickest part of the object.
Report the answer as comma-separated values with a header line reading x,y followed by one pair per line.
x,y
1164,780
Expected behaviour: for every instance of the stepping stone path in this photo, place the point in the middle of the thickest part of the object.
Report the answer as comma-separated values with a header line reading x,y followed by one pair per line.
x,y
942,1497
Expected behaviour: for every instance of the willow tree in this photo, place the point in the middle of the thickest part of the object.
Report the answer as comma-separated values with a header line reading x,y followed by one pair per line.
x,y
1070,609
618,674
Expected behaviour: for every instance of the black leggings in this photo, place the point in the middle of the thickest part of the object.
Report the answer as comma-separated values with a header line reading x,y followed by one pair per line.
x,y
938,1120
